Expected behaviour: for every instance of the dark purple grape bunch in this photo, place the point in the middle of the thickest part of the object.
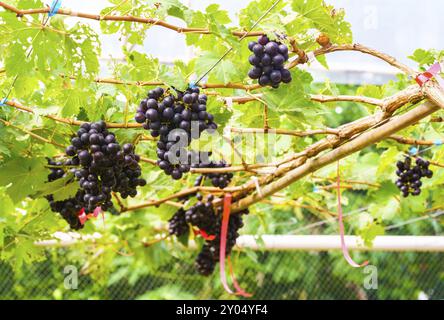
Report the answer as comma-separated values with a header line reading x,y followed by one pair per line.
x,y
218,180
162,112
105,166
205,263
268,60
209,256
202,214
409,181
234,225
69,208
178,225
56,168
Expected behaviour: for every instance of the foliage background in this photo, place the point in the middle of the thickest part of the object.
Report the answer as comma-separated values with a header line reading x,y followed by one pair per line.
x,y
155,272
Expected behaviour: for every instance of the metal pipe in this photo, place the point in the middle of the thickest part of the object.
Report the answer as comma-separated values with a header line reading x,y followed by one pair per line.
x,y
332,242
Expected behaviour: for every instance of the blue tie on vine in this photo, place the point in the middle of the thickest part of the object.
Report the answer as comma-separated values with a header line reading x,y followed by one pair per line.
x,y
55,6
192,85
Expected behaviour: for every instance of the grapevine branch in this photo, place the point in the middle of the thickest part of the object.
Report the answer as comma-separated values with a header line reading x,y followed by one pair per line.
x,y
128,18
366,139
390,103
347,133
359,135
124,18
313,97
404,140
363,49
32,134
322,51
286,132
351,182
19,106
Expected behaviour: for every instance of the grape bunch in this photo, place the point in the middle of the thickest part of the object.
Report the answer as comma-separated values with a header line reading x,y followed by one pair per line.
x,y
268,60
69,209
205,263
209,256
105,166
177,225
218,180
409,181
202,215
162,112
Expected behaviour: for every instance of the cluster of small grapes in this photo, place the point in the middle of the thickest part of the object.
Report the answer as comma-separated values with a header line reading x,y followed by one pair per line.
x,y
268,60
409,181
69,208
218,180
202,215
209,256
105,166
162,112
178,225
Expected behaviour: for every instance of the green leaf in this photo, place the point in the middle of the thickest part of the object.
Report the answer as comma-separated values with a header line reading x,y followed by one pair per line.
x,y
61,189
370,232
224,71
23,176
172,77
423,57
386,163
184,239
385,211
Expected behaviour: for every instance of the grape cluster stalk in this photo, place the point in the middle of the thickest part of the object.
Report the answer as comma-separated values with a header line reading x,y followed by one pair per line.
x,y
409,176
268,60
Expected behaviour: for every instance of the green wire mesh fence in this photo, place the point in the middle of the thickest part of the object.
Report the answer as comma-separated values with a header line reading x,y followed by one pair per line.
x,y
269,275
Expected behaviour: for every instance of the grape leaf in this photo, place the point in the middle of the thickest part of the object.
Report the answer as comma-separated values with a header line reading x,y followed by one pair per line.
x,y
24,176
62,189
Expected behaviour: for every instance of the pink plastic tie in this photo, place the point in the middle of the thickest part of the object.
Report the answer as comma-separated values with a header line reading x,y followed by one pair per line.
x,y
223,246
239,290
344,248
432,72
223,241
